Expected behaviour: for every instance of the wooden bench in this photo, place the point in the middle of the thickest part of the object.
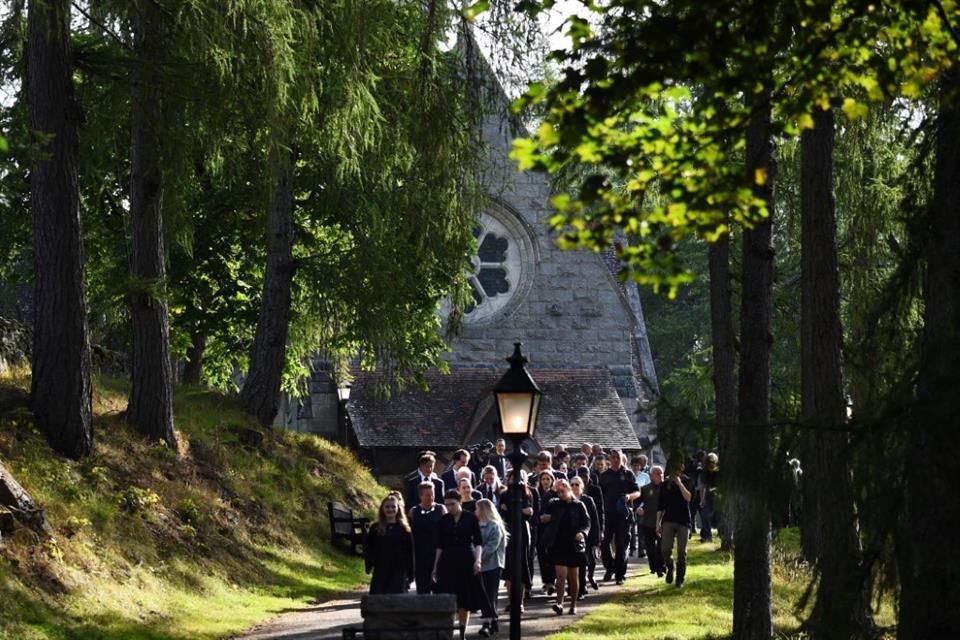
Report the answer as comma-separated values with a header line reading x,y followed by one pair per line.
x,y
343,526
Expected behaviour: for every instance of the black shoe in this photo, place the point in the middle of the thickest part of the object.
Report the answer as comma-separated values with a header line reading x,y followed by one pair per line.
x,y
619,581
594,585
608,576
485,630
669,575
551,590
679,584
557,609
494,626
572,611
659,574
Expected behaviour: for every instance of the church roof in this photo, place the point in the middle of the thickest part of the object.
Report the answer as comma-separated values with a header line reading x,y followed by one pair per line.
x,y
578,405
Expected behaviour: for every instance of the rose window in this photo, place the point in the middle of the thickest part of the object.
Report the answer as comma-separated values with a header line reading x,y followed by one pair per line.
x,y
488,279
499,274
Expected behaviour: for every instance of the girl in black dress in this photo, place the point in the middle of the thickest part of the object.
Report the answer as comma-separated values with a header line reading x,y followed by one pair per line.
x,y
457,564
566,541
388,549
468,497
425,524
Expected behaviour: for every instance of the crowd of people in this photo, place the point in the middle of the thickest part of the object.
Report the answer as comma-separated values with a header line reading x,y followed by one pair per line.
x,y
452,533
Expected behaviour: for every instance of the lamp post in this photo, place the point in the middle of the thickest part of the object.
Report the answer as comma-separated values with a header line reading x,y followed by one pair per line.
x,y
343,395
518,404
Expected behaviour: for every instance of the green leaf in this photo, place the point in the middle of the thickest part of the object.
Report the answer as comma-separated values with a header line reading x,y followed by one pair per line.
x,y
854,110
474,10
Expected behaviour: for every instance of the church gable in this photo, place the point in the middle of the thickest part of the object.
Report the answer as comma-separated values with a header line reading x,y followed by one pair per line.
x,y
584,336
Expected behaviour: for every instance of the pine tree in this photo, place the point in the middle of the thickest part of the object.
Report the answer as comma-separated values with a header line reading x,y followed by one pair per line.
x,y
61,394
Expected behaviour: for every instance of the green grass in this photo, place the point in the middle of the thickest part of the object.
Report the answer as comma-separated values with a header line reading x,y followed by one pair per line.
x,y
649,608
148,544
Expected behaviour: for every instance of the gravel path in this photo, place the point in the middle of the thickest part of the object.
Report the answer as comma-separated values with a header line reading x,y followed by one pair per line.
x,y
326,620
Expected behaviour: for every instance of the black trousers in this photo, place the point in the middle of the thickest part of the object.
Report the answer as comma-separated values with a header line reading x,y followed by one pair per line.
x,y
616,531
491,585
654,552
587,572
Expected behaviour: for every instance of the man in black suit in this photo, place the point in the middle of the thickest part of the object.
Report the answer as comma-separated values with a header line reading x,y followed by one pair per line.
x,y
461,458
424,473
499,460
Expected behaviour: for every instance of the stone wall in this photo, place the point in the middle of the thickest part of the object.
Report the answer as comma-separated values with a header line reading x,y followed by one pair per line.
x,y
318,410
572,312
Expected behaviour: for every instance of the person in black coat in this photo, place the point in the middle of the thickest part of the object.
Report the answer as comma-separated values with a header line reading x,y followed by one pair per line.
x,y
546,493
593,538
647,512
674,519
457,562
593,490
490,486
424,473
498,460
527,512
388,550
461,459
619,487
425,525
565,540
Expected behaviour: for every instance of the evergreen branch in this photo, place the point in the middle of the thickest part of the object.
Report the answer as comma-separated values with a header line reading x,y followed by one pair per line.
x,y
113,36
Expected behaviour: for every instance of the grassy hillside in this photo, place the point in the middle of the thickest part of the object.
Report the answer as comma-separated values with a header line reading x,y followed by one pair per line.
x,y
147,544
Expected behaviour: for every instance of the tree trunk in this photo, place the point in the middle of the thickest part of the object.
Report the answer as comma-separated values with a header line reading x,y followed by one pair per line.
x,y
193,369
841,604
930,596
150,409
724,368
752,613
18,501
261,390
61,395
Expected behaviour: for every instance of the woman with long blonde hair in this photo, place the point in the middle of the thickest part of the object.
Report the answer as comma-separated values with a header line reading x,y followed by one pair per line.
x,y
388,549
493,559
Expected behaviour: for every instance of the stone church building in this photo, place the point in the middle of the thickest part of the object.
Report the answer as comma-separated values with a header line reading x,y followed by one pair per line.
x,y
582,330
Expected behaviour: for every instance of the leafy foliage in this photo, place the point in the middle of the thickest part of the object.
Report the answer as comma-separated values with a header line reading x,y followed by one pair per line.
x,y
656,93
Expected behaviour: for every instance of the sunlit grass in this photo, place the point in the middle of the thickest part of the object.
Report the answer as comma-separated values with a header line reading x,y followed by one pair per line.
x,y
149,544
650,609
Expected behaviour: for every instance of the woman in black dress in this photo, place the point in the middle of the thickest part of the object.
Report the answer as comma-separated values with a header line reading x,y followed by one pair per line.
x,y
545,487
566,541
526,515
593,537
457,564
425,524
388,549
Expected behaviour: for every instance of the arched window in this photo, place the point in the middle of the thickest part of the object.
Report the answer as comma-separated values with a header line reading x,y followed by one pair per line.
x,y
501,272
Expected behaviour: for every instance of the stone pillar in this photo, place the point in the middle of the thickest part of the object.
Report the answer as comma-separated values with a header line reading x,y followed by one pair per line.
x,y
415,617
